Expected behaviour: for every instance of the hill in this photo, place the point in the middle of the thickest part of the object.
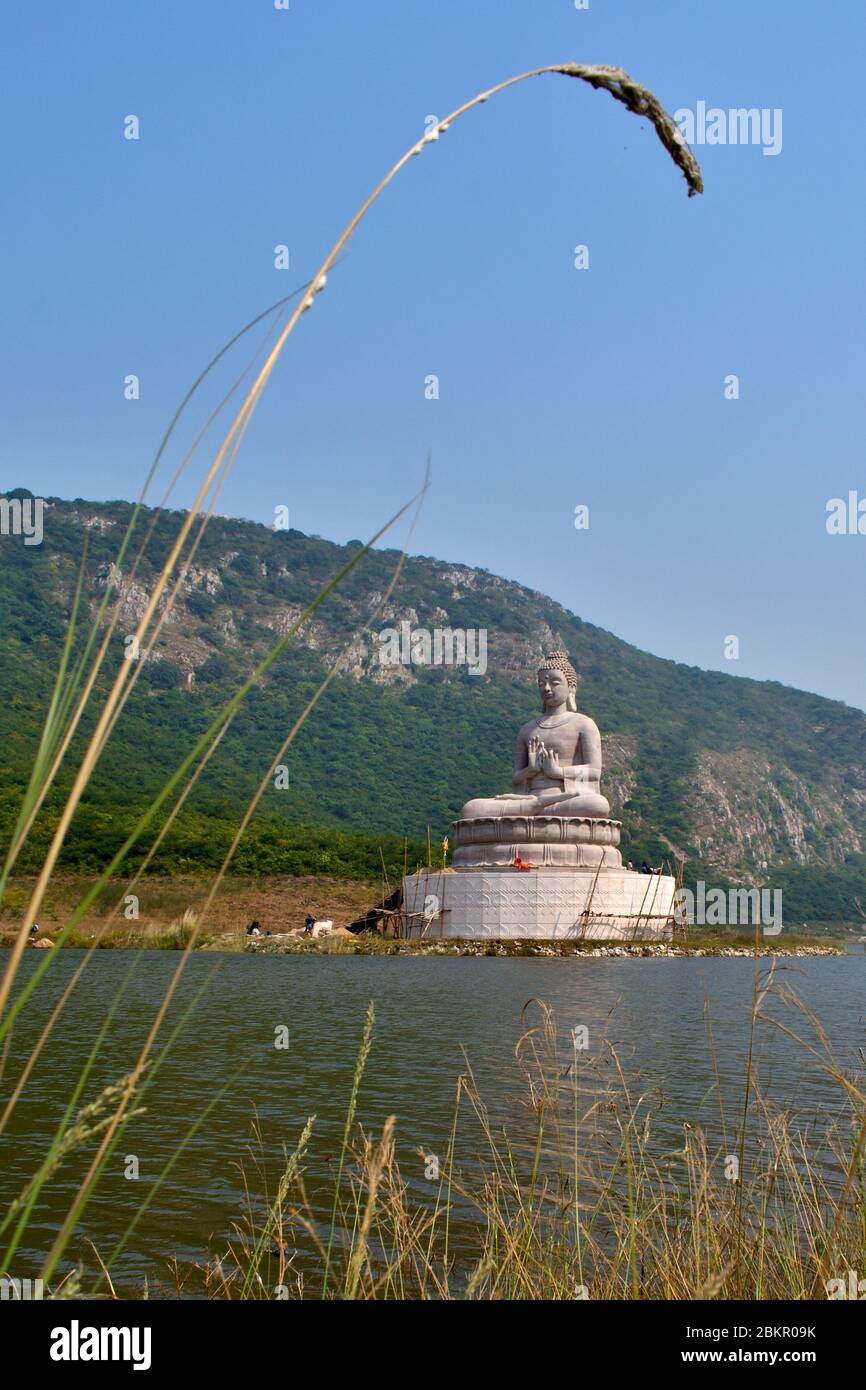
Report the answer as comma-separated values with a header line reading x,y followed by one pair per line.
x,y
752,782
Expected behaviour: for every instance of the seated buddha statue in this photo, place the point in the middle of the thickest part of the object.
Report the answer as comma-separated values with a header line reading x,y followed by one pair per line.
x,y
557,758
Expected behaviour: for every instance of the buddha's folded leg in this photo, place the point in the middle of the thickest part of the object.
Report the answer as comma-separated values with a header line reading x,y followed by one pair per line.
x,y
584,803
549,802
508,805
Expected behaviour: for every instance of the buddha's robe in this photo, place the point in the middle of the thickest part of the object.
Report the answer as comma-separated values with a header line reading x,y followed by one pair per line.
x,y
574,792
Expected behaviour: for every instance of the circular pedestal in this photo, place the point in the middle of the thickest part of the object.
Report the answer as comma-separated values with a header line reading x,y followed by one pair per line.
x,y
579,842
543,904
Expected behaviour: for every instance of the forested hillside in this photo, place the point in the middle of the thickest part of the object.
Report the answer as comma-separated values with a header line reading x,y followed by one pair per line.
x,y
750,781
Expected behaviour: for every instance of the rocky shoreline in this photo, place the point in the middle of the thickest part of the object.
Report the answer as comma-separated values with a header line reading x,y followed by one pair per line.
x,y
347,945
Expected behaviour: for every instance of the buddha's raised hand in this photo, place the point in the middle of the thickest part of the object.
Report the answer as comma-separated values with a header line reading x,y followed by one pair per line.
x,y
550,763
535,752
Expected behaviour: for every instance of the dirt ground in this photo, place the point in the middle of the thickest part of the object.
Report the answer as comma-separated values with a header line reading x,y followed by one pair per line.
x,y
278,904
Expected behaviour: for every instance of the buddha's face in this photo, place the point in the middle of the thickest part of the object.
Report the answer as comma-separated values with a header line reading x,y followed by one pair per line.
x,y
553,687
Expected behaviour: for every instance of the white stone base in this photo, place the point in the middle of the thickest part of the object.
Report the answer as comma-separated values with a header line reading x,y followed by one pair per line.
x,y
543,904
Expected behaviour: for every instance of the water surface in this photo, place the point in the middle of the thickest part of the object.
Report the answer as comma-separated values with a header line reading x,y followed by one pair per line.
x,y
431,1015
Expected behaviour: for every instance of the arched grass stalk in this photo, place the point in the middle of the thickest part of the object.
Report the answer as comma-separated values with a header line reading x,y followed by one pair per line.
x,y
636,99
614,80
624,89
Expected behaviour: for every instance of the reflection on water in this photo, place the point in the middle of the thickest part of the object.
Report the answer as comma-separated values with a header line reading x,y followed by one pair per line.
x,y
431,1016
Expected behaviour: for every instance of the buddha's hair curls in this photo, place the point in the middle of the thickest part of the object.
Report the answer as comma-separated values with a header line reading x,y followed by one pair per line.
x,y
558,661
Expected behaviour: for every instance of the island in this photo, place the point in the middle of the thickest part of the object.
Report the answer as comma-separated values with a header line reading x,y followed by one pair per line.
x,y
542,861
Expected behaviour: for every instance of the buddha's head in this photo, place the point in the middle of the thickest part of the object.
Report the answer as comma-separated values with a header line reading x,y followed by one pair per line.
x,y
557,682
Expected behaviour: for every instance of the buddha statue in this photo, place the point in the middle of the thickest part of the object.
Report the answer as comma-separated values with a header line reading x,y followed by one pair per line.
x,y
544,860
556,818
557,758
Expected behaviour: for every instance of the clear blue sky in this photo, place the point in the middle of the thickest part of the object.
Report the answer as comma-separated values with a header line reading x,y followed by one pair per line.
x,y
558,387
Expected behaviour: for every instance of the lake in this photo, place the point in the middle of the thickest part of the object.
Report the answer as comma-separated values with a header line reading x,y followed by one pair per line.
x,y
432,1014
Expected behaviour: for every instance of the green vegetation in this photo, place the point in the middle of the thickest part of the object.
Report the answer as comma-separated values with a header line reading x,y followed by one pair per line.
x,y
382,760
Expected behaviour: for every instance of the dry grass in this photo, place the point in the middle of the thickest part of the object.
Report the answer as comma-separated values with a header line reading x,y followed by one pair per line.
x,y
584,1203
